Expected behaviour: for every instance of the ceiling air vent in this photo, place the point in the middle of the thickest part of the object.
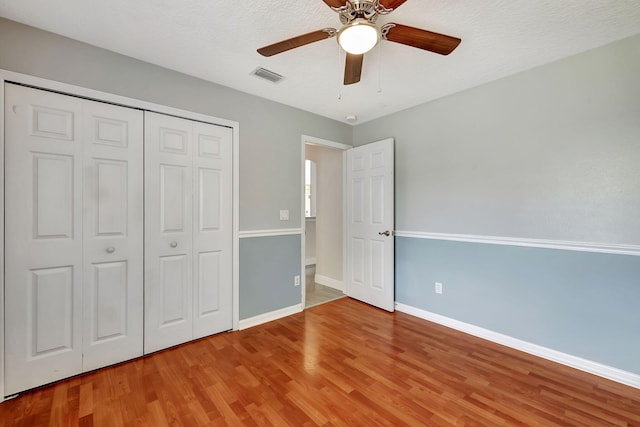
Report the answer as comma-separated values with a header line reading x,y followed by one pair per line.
x,y
263,73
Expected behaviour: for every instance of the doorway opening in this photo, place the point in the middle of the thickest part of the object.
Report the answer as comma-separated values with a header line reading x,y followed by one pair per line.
x,y
323,205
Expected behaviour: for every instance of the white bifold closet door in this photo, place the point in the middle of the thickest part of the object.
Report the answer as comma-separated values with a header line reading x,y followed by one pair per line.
x,y
188,230
73,245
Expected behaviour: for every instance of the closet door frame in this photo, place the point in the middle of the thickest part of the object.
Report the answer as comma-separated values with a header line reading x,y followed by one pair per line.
x,y
95,95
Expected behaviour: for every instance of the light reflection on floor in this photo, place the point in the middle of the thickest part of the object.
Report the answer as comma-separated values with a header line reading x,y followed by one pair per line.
x,y
315,294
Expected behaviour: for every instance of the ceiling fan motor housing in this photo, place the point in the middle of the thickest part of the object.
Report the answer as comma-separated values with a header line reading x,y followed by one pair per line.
x,y
365,9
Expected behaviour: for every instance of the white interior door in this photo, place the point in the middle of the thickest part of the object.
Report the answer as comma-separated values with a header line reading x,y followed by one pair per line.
x,y
370,223
168,231
74,236
113,215
189,240
43,224
212,236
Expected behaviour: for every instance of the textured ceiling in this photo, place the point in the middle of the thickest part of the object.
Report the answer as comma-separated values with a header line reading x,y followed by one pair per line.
x,y
217,40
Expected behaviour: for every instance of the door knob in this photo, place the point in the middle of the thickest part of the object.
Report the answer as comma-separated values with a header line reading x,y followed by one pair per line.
x,y
173,244
385,233
111,250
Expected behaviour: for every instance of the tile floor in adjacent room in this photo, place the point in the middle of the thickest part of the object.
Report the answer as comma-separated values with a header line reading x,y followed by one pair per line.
x,y
316,293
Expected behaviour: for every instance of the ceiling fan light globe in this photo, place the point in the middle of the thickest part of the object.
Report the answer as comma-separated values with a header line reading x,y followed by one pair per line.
x,y
358,37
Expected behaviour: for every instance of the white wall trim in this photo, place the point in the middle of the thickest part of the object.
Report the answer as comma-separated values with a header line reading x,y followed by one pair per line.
x,y
328,281
306,139
96,95
345,260
303,235
585,365
236,230
605,248
269,233
270,316
1,238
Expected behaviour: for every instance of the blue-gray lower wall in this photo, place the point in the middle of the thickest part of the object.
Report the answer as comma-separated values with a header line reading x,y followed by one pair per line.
x,y
268,266
580,303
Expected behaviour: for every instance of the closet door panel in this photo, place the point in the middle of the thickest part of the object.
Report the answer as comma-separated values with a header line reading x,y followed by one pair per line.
x,y
51,310
168,232
212,238
173,285
53,193
108,291
174,180
113,239
208,299
43,240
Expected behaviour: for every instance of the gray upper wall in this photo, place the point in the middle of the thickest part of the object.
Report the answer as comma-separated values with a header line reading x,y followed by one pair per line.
x,y
270,133
550,153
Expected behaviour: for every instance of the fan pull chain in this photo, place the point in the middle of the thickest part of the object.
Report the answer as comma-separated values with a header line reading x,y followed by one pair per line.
x,y
339,85
379,67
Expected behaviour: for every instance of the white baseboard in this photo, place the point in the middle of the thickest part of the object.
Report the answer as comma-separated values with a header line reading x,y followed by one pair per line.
x,y
268,317
310,261
328,281
589,366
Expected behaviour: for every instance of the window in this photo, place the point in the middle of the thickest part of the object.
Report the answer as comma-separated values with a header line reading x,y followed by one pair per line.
x,y
309,188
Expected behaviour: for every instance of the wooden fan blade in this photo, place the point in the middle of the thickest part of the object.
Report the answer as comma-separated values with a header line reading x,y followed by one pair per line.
x,y
392,4
298,41
422,39
335,3
352,68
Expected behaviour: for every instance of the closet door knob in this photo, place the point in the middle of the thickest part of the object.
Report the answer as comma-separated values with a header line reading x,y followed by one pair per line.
x,y
111,250
173,244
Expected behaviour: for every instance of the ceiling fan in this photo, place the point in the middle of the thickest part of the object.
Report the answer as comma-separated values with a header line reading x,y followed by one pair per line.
x,y
360,34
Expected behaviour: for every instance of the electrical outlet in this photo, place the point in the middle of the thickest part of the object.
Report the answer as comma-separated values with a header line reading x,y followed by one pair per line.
x,y
438,288
284,215
296,280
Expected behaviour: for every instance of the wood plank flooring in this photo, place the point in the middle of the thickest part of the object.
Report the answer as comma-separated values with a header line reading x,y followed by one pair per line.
x,y
341,363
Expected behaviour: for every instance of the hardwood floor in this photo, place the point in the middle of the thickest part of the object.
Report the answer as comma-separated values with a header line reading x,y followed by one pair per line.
x,y
341,363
